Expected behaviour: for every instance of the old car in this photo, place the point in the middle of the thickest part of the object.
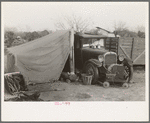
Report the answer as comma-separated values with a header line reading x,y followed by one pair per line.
x,y
97,55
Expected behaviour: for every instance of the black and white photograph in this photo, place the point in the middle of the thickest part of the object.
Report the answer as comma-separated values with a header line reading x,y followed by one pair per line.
x,y
73,58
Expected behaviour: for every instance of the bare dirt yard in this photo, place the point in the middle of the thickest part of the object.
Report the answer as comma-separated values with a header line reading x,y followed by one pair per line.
x,y
75,91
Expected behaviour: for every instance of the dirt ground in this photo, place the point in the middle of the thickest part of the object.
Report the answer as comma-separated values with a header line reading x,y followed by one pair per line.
x,y
75,91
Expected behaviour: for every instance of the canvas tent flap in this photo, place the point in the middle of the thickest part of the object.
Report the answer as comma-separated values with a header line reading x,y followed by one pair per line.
x,y
43,59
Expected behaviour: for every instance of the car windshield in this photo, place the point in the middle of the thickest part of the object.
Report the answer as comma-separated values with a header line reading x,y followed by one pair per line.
x,y
93,42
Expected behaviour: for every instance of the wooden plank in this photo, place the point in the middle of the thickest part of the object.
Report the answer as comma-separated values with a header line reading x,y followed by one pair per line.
x,y
126,46
125,41
140,61
124,52
111,46
111,42
139,56
114,50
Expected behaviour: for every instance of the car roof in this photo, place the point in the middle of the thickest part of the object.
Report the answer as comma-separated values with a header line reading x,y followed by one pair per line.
x,y
91,36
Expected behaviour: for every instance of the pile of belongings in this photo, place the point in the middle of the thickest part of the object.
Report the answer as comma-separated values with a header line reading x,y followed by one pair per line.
x,y
15,85
101,31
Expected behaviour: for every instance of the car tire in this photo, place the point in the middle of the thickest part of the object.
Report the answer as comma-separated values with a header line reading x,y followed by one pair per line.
x,y
106,84
91,69
129,70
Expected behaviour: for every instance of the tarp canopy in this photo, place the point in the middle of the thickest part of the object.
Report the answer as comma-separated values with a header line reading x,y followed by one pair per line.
x,y
43,59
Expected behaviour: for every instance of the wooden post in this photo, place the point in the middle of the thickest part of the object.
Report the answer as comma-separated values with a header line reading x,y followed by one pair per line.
x,y
132,48
71,59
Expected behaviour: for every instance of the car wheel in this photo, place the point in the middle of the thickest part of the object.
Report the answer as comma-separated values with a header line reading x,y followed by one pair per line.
x,y
90,69
106,84
128,73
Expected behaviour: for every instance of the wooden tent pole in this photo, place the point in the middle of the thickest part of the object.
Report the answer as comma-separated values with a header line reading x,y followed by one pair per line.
x,y
72,66
132,48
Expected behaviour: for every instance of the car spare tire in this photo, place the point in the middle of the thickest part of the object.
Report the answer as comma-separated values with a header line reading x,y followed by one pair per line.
x,y
129,73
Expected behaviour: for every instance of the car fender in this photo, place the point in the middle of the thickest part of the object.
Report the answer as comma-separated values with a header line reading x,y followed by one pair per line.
x,y
95,62
128,62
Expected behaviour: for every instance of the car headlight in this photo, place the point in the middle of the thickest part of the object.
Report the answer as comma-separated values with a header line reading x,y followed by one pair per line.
x,y
121,57
101,58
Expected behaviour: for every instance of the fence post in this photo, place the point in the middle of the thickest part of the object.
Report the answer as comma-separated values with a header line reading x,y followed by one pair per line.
x,y
132,48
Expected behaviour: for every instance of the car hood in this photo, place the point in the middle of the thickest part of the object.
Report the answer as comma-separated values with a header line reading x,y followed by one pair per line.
x,y
90,53
94,51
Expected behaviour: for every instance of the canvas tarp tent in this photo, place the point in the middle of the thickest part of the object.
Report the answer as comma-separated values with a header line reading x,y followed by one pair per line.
x,y
43,59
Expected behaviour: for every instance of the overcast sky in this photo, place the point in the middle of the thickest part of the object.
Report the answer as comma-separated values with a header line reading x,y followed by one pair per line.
x,y
30,16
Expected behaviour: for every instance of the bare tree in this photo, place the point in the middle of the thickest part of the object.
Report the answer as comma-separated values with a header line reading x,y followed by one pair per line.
x,y
13,29
79,23
140,31
119,26
140,28
115,25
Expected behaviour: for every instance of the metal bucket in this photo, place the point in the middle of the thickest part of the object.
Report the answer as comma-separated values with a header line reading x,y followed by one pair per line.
x,y
87,79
